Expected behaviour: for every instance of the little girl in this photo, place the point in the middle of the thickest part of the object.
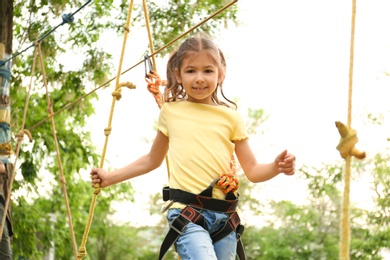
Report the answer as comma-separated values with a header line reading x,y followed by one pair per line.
x,y
202,133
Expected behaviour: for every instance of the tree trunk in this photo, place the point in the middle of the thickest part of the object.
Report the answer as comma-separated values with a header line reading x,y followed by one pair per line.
x,y
6,17
6,32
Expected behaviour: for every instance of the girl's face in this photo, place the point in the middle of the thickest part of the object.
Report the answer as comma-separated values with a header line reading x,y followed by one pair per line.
x,y
199,76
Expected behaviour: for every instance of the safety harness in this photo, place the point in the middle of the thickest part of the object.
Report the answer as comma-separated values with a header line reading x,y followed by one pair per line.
x,y
190,213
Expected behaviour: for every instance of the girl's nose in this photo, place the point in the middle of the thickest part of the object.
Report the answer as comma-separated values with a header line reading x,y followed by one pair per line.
x,y
199,78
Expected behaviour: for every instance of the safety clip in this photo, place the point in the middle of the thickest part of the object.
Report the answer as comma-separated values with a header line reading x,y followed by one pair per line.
x,y
148,64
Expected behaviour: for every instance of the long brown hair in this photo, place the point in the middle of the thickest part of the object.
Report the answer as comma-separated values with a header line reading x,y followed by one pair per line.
x,y
200,42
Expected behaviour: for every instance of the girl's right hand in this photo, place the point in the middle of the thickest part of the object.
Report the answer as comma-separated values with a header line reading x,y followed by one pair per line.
x,y
99,176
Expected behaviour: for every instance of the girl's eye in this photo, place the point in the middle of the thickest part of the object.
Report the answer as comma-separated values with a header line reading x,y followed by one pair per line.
x,y
190,71
209,71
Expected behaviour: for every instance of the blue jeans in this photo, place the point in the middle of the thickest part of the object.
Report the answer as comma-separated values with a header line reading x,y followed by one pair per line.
x,y
196,244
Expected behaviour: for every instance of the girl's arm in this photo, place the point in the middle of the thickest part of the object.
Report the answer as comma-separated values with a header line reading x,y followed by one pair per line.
x,y
256,172
144,164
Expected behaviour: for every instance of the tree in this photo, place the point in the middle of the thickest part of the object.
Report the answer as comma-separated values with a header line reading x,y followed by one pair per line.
x,y
311,231
23,23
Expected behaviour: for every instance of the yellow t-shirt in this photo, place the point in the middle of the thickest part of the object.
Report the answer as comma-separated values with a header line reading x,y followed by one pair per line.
x,y
200,143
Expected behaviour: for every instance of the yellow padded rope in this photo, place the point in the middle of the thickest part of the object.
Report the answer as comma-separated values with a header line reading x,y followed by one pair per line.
x,y
347,149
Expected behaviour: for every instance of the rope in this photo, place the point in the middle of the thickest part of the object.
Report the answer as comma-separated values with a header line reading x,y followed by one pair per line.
x,y
66,18
152,78
347,149
20,136
184,34
133,66
229,181
116,95
53,127
150,35
23,132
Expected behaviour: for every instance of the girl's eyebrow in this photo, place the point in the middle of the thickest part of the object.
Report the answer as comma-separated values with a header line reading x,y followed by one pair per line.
x,y
204,67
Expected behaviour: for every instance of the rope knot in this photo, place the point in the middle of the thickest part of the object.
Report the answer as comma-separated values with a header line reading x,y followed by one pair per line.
x,y
117,94
49,108
154,83
97,189
6,148
24,132
5,73
107,131
127,84
62,179
67,18
229,181
82,252
347,142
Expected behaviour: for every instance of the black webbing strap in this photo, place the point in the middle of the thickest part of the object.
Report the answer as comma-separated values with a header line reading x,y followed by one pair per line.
x,y
188,215
178,226
202,200
240,247
232,224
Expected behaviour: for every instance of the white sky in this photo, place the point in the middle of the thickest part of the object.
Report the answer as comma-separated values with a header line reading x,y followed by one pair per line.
x,y
290,58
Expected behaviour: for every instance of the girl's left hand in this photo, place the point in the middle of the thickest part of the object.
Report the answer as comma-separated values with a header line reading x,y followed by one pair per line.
x,y
285,162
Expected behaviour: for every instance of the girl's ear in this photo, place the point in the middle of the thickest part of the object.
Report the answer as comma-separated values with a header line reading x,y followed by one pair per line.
x,y
177,76
221,76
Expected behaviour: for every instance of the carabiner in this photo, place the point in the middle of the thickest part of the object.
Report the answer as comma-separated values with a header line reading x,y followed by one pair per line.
x,y
148,64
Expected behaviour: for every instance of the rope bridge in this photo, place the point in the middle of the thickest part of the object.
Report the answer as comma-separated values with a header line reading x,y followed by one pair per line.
x,y
346,145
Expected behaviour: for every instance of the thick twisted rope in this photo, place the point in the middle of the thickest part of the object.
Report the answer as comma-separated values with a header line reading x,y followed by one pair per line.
x,y
347,149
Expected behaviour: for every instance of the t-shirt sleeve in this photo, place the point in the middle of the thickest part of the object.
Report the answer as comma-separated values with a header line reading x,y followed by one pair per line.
x,y
240,132
162,121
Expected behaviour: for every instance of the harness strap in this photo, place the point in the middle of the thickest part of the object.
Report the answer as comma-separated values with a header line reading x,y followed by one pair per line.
x,y
200,201
178,226
229,226
232,224
240,247
189,214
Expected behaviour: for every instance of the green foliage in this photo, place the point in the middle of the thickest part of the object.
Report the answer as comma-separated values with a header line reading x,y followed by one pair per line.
x,y
169,20
41,216
311,231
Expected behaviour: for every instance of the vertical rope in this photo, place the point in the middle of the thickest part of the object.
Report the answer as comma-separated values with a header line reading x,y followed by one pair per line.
x,y
154,81
116,95
150,35
21,134
62,177
345,235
